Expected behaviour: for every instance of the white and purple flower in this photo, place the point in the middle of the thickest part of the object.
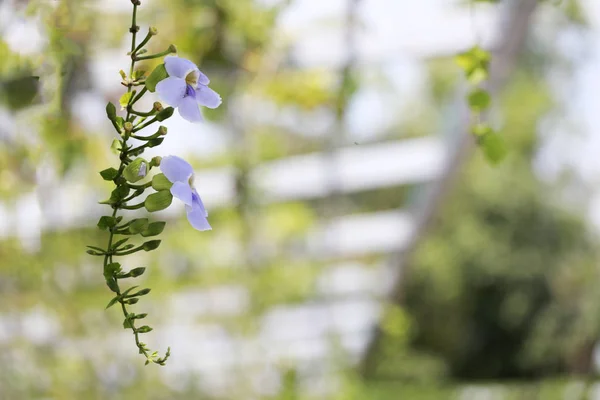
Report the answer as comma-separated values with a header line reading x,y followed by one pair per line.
x,y
181,174
186,88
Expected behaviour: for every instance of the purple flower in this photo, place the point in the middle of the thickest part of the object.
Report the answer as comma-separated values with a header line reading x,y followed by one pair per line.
x,y
181,174
186,88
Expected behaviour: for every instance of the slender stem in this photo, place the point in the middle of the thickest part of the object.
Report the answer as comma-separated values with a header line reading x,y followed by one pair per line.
x,y
144,186
125,152
140,121
170,50
143,42
109,257
143,114
136,98
139,128
134,207
124,253
154,136
133,196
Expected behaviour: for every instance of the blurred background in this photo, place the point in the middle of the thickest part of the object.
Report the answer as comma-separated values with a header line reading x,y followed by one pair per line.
x,y
362,246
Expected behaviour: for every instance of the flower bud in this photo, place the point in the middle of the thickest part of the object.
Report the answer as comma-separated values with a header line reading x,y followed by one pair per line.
x,y
153,31
136,170
172,48
157,106
128,126
162,130
155,162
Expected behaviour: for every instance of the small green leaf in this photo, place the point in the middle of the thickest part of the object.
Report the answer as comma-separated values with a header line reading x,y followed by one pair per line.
x,y
475,62
127,324
142,292
159,73
133,273
158,201
479,100
125,99
140,316
19,92
143,329
119,243
151,245
121,192
112,284
131,301
128,290
494,147
111,111
96,248
106,222
120,121
160,182
115,147
109,174
136,170
112,302
138,74
154,229
165,113
482,129
138,225
117,195
112,269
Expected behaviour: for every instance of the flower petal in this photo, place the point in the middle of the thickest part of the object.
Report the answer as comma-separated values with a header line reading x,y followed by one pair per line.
x,y
189,110
143,170
183,192
179,67
202,78
197,201
171,90
207,97
197,219
176,169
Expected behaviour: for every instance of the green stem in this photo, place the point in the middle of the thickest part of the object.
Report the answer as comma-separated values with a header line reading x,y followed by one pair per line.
x,y
170,50
134,207
135,194
143,42
136,98
142,114
142,147
139,128
144,186
108,258
124,253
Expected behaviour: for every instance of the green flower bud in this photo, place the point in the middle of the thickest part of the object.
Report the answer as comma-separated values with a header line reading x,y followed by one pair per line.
x,y
162,130
128,126
157,106
155,162
153,31
136,170
172,48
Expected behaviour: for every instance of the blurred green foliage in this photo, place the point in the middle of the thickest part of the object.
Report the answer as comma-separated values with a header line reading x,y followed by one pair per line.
x,y
502,287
